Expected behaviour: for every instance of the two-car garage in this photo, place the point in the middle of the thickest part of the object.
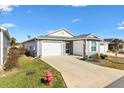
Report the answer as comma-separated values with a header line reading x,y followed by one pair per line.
x,y
53,48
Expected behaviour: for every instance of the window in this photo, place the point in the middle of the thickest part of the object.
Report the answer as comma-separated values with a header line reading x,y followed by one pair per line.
x,y
93,45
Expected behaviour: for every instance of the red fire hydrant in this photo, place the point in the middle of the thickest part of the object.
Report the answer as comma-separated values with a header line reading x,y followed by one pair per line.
x,y
48,78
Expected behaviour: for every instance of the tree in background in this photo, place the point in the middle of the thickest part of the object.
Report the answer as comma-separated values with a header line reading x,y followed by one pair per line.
x,y
12,41
117,45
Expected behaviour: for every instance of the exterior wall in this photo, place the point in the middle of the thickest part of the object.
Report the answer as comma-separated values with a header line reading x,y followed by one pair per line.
x,y
4,43
103,47
5,48
78,48
123,48
61,33
106,47
88,48
64,48
0,49
31,46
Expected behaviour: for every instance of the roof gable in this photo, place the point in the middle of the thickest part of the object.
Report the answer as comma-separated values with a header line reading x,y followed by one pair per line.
x,y
62,33
92,36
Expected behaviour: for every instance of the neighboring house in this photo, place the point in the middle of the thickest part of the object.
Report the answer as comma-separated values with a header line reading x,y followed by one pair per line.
x,y
4,44
110,43
62,42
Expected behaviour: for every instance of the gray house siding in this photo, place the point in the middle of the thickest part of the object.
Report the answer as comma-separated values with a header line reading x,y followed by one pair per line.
x,y
4,43
5,48
31,47
63,43
88,48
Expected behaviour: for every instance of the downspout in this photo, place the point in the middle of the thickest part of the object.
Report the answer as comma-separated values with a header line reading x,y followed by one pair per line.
x,y
85,48
37,47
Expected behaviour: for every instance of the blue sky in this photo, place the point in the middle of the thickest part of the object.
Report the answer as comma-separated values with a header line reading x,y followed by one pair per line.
x,y
104,21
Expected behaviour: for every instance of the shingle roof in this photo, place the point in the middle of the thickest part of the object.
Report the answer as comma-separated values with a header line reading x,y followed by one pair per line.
x,y
110,39
84,35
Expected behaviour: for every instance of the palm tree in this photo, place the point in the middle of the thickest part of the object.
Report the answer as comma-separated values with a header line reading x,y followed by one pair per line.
x,y
12,41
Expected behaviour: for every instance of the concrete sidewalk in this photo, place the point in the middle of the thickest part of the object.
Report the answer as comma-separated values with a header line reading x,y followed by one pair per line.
x,y
80,74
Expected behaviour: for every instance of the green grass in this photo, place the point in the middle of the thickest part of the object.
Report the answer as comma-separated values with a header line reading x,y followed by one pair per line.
x,y
115,65
20,80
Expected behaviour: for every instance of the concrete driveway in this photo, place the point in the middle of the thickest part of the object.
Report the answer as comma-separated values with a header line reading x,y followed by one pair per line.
x,y
80,74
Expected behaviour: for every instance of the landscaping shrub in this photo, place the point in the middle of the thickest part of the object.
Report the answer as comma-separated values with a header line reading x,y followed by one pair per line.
x,y
13,55
95,57
27,53
85,58
102,56
109,51
8,66
22,50
121,52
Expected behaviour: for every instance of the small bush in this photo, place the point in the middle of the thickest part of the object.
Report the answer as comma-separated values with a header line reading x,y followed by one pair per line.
x,y
109,51
95,57
8,66
102,56
13,55
85,58
122,52
27,53
22,50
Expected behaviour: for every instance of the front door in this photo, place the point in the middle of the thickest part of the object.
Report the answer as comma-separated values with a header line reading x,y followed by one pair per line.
x,y
67,48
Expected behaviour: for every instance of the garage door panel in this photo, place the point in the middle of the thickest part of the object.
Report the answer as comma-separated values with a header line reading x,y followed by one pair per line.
x,y
51,49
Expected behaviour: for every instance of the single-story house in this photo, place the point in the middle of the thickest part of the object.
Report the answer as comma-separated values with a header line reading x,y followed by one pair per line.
x,y
62,42
4,45
110,43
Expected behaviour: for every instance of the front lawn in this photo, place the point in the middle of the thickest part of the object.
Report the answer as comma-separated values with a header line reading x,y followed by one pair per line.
x,y
114,65
19,79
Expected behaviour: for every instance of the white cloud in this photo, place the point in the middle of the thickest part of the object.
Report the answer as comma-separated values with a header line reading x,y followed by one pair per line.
x,y
120,28
7,8
8,25
75,20
120,25
29,11
79,5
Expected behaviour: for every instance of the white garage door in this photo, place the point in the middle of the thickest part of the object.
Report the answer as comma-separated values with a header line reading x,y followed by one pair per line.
x,y
51,49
